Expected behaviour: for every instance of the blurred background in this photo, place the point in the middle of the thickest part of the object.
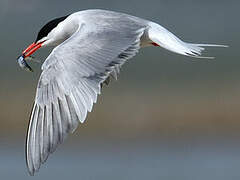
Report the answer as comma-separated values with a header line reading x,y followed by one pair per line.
x,y
167,117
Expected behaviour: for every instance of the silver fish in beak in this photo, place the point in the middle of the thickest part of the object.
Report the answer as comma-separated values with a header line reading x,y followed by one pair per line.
x,y
23,64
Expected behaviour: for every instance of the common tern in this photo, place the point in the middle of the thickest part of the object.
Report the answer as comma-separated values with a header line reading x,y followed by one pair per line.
x,y
90,47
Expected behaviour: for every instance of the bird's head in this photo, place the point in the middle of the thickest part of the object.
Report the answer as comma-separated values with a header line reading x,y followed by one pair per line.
x,y
46,37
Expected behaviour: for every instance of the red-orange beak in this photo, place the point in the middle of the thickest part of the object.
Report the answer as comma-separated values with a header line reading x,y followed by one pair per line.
x,y
32,48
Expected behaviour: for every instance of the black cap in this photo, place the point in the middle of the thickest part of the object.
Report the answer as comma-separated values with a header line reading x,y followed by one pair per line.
x,y
47,28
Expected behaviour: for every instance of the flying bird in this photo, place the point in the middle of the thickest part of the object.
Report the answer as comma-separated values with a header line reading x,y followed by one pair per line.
x,y
90,48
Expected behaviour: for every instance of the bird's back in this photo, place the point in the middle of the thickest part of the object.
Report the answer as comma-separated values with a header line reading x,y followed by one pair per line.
x,y
105,17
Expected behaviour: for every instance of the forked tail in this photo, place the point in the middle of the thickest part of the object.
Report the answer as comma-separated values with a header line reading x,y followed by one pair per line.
x,y
164,38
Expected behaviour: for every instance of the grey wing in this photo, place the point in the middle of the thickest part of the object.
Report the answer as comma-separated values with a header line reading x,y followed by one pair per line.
x,y
70,83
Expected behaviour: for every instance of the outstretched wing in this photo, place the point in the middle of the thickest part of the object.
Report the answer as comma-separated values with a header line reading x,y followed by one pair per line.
x,y
70,83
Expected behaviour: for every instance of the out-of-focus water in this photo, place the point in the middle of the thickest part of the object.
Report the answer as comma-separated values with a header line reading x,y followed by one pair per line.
x,y
140,160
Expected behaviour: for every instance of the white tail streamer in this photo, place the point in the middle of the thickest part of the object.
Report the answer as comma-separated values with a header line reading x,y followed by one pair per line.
x,y
164,38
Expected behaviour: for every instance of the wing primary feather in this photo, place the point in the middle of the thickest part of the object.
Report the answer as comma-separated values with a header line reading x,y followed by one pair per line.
x,y
37,142
28,142
46,137
41,134
66,126
58,121
50,127
33,140
73,114
55,129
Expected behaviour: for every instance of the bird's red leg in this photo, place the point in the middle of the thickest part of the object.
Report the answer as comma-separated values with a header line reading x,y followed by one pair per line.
x,y
155,44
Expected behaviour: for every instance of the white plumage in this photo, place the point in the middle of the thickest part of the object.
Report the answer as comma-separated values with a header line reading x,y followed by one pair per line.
x,y
90,45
